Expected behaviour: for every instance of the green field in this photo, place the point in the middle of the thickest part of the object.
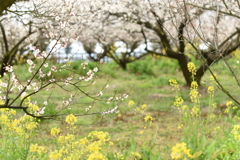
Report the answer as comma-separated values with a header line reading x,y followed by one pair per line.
x,y
208,135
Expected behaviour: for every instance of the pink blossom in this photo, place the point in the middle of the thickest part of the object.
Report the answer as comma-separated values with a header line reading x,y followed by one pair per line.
x,y
4,84
125,96
54,68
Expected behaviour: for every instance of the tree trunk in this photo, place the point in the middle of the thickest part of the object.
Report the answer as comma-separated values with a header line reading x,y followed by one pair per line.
x,y
183,61
200,72
4,63
123,65
5,4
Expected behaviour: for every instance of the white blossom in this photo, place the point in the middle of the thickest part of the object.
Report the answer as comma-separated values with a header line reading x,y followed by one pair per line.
x,y
36,88
3,84
30,62
52,80
49,73
66,103
40,111
20,87
125,95
95,69
46,65
100,93
9,68
45,103
54,68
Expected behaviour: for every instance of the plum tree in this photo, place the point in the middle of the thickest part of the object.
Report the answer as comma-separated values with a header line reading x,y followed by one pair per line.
x,y
20,26
174,24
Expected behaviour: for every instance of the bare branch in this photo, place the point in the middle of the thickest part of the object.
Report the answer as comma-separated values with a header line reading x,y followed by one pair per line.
x,y
229,37
210,9
5,4
180,36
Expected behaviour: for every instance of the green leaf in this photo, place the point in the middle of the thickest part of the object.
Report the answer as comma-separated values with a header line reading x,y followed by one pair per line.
x,y
197,154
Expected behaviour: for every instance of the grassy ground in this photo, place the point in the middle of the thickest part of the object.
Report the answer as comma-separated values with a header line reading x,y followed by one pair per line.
x,y
147,85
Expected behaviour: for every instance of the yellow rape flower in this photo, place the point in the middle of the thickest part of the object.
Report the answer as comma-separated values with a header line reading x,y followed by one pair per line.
x,y
71,119
192,68
99,135
12,112
236,132
194,85
217,128
33,147
194,95
148,118
66,139
30,122
142,109
210,89
119,156
33,107
136,155
179,151
195,111
1,102
55,131
174,83
37,148
178,101
180,126
94,147
54,155
131,103
229,105
96,156
212,78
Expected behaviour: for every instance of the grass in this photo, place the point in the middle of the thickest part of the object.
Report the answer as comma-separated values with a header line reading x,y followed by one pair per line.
x,y
149,85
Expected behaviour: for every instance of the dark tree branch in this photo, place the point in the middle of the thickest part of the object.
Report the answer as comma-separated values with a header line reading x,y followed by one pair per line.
x,y
238,3
220,86
146,48
12,107
206,66
35,74
227,6
5,4
229,37
210,9
163,37
181,27
4,38
232,71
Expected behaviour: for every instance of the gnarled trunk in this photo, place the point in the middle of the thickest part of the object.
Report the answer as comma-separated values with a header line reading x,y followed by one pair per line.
x,y
183,62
